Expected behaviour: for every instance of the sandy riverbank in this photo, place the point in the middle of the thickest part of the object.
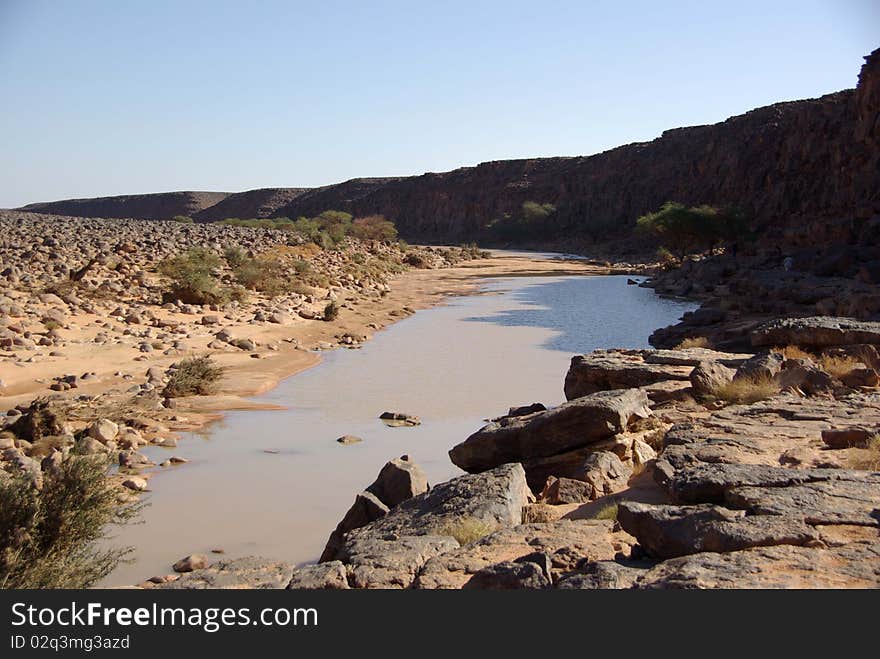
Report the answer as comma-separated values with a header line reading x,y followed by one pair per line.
x,y
282,350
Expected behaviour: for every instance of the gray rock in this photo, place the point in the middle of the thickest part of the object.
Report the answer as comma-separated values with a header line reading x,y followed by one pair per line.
x,y
816,332
604,370
508,576
601,575
242,573
670,531
366,508
376,562
573,424
760,367
323,576
190,563
708,377
400,479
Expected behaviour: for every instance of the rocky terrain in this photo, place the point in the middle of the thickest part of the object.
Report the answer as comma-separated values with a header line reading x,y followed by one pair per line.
x,y
793,166
92,342
685,468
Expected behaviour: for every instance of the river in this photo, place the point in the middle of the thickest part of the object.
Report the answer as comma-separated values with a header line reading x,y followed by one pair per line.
x,y
275,483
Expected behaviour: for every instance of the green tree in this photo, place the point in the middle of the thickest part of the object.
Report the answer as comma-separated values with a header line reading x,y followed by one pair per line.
x,y
683,229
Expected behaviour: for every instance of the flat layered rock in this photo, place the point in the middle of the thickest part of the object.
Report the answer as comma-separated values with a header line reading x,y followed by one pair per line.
x,y
242,573
391,561
565,542
572,425
855,565
605,370
693,356
671,531
323,576
816,332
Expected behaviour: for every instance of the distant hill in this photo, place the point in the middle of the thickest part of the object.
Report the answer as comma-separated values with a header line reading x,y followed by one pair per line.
x,y
814,162
158,205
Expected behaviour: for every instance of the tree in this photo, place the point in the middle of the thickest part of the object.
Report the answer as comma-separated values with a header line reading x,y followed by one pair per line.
x,y
684,230
374,227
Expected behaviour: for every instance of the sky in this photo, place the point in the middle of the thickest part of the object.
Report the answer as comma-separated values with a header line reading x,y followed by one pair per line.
x,y
105,97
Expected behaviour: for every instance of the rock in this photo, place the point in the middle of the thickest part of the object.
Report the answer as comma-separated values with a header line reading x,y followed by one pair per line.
x,y
323,576
604,370
564,544
573,424
708,377
366,508
816,332
399,480
801,375
135,483
375,562
104,430
398,419
761,367
242,573
693,356
855,565
849,437
602,575
565,490
605,474
861,376
190,563
670,531
349,439
390,551
526,409
507,576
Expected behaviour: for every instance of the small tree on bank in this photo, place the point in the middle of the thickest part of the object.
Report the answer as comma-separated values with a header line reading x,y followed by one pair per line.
x,y
684,230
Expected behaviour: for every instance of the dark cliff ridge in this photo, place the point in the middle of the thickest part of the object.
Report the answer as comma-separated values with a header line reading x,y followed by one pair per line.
x,y
795,166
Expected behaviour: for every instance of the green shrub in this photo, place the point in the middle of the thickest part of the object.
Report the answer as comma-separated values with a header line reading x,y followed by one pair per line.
x,y
467,530
194,376
331,311
234,256
415,260
55,536
183,219
192,277
374,227
266,276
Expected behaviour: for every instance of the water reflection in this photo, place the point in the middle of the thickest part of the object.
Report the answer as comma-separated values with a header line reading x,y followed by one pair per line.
x,y
587,313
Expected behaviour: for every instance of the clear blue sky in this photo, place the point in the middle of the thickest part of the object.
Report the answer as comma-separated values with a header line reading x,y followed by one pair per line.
x,y
117,97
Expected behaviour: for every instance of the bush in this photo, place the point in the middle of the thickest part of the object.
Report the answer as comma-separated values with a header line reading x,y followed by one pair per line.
x,y
866,457
183,219
607,512
837,366
194,376
55,536
331,311
374,227
266,276
234,256
192,277
415,260
532,221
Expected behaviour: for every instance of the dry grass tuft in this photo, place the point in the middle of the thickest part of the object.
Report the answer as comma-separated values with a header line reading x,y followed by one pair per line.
x,y
868,458
694,342
539,513
837,366
745,391
467,530
193,376
794,352
607,512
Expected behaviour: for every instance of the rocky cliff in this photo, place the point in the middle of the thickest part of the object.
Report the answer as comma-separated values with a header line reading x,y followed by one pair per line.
x,y
802,168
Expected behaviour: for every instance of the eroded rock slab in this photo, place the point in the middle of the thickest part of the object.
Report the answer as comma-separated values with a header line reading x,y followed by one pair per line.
x,y
242,573
605,370
816,332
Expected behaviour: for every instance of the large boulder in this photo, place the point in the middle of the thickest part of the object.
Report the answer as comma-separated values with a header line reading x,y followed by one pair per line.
x,y
400,479
605,370
366,508
572,425
242,573
389,552
707,377
816,332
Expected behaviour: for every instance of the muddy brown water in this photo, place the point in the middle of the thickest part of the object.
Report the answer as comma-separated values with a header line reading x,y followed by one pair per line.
x,y
275,483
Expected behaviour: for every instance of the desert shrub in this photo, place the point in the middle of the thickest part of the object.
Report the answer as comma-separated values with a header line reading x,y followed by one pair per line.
x,y
402,245
374,227
539,513
331,311
266,276
51,325
234,256
54,536
192,278
694,342
794,352
745,391
183,219
666,257
467,529
533,220
302,267
43,418
194,376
